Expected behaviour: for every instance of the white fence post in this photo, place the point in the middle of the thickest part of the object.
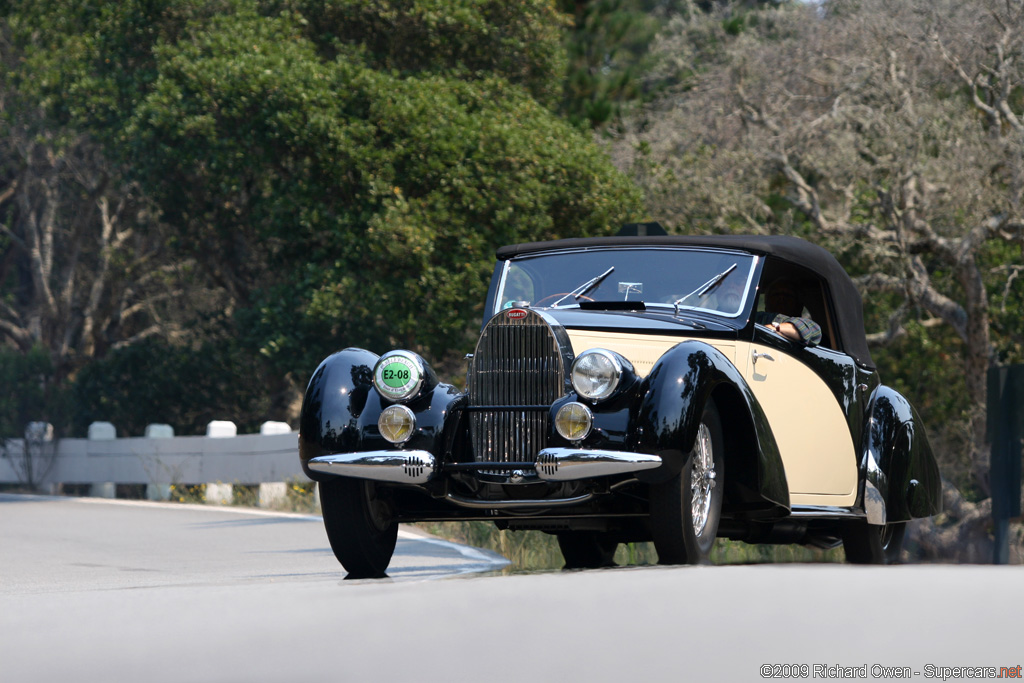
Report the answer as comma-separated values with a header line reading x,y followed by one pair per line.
x,y
38,453
273,493
220,493
275,428
159,490
221,429
102,431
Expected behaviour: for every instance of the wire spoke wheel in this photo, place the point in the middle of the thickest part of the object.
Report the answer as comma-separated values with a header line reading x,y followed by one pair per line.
x,y
686,510
702,479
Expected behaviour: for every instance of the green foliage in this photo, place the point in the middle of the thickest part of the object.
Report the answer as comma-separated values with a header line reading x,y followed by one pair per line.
x,y
526,550
154,381
1006,294
300,496
613,60
381,198
609,58
417,272
468,39
537,550
346,169
87,63
189,494
28,392
737,552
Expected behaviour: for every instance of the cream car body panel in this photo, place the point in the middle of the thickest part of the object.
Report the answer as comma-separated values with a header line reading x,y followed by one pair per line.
x,y
809,426
642,350
808,423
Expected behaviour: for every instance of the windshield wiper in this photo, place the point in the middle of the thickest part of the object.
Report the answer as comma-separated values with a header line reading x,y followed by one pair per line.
x,y
706,287
587,286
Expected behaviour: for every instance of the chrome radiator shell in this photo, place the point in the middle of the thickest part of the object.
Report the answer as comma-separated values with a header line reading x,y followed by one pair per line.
x,y
519,368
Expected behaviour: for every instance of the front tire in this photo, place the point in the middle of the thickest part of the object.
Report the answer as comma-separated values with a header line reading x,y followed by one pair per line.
x,y
359,526
587,549
871,544
686,510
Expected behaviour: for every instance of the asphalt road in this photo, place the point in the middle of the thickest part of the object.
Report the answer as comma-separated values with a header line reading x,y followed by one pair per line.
x,y
99,591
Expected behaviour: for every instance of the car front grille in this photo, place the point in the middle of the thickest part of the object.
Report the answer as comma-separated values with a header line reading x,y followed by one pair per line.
x,y
516,373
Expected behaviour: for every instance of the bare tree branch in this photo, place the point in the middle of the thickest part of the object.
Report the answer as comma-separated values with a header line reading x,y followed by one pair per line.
x,y
99,280
147,304
1014,271
16,333
9,192
151,331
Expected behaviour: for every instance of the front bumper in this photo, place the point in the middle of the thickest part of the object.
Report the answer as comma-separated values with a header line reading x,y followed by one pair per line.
x,y
570,464
419,467
398,467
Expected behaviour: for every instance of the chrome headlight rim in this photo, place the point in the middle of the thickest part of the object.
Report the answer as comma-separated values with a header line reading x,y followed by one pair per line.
x,y
393,416
391,383
577,413
615,365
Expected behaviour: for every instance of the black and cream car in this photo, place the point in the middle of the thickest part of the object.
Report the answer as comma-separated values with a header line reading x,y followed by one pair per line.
x,y
622,390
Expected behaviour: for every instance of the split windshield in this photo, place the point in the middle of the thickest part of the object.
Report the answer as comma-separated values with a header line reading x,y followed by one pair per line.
x,y
715,281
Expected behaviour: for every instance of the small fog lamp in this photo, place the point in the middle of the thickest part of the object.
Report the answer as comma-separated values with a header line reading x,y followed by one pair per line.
x,y
396,424
573,421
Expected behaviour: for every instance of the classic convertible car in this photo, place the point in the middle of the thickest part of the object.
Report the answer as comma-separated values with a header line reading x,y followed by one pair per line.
x,y
631,389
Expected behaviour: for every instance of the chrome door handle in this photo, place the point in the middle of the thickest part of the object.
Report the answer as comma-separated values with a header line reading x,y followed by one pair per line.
x,y
757,354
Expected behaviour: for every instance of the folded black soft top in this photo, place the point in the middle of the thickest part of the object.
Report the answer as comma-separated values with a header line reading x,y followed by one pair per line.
x,y
850,309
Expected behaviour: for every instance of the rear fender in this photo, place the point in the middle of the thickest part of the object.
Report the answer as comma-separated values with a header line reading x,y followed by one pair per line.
x,y
901,477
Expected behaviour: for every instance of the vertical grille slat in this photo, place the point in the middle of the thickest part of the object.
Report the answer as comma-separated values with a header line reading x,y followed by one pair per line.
x,y
517,362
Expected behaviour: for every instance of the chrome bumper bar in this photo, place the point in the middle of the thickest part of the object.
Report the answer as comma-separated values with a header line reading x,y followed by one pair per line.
x,y
401,467
418,467
567,464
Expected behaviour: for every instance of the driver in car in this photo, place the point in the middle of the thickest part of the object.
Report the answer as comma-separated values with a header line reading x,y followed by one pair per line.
x,y
783,313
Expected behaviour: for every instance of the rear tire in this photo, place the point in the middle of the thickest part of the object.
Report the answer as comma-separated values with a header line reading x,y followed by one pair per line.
x,y
587,549
871,544
686,510
359,526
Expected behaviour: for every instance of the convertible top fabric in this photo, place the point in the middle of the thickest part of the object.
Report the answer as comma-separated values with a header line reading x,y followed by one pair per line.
x,y
849,306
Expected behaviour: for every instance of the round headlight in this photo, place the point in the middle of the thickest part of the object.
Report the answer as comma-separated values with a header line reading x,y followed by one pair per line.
x,y
596,374
396,424
399,375
573,421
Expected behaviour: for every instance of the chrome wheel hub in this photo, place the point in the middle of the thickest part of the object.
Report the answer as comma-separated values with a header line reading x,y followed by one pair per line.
x,y
702,480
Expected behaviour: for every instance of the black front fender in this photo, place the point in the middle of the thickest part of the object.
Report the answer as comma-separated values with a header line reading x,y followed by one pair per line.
x,y
341,407
334,401
674,395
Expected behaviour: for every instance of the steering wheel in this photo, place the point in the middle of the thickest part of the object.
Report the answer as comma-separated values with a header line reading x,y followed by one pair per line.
x,y
540,304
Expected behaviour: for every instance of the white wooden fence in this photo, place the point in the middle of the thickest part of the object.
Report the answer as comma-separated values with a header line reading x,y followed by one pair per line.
x,y
219,460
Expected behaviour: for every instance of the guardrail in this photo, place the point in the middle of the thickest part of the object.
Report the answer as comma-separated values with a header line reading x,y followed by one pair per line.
x,y
218,460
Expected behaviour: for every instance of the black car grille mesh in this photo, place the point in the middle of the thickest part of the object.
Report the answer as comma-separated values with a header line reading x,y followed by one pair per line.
x,y
516,370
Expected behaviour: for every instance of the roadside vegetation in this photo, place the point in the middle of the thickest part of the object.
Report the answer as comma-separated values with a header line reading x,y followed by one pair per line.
x,y
200,199
536,550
